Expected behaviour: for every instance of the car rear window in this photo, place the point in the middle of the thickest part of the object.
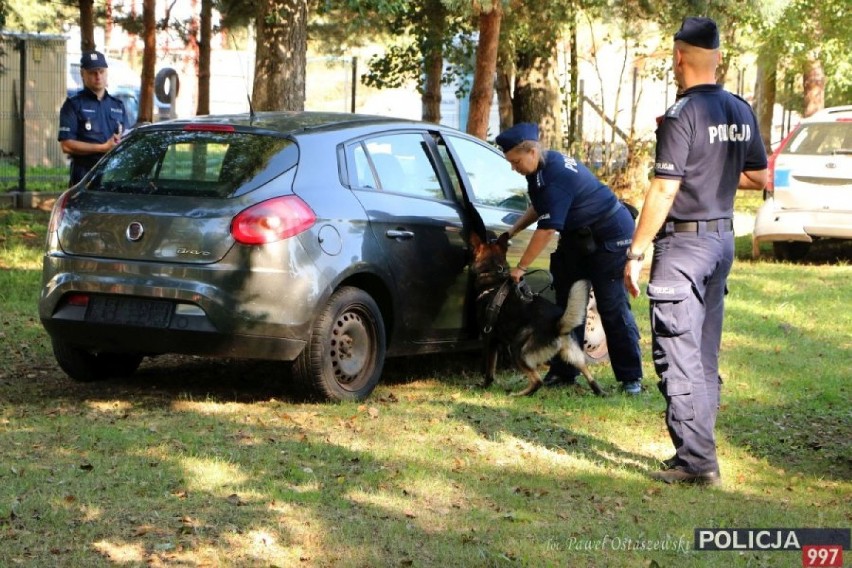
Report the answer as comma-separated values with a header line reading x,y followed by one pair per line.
x,y
193,163
821,138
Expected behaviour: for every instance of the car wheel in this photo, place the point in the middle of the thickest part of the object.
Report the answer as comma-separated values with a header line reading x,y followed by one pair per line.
x,y
345,354
792,251
87,366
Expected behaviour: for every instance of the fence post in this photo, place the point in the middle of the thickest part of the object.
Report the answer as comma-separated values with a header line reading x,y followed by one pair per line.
x,y
354,80
22,161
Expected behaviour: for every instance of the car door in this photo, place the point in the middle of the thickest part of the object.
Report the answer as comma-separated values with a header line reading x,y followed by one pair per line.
x,y
419,227
499,195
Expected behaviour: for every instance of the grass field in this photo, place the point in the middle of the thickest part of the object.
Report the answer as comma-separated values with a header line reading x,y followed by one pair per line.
x,y
197,462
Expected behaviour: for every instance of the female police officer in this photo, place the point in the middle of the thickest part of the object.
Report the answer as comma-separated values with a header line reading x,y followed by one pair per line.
x,y
92,121
595,230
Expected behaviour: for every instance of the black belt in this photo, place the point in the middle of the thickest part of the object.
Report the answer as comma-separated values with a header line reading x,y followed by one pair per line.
x,y
711,226
606,216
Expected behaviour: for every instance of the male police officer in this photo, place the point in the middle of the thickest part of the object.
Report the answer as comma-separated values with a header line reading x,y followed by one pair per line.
x,y
595,230
708,144
92,121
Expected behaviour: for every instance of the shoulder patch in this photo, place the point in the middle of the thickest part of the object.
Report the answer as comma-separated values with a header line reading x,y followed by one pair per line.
x,y
674,110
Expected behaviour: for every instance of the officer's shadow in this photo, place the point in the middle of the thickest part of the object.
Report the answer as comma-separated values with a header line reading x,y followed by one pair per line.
x,y
534,429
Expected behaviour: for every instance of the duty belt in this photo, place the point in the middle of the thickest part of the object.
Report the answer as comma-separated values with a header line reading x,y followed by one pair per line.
x,y
711,226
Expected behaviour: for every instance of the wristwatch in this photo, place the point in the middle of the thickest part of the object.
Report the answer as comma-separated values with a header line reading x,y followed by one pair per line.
x,y
633,256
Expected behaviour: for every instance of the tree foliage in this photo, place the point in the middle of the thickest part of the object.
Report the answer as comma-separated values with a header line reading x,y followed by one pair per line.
x,y
38,17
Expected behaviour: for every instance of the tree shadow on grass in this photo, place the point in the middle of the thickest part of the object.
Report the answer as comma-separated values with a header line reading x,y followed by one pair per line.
x,y
539,431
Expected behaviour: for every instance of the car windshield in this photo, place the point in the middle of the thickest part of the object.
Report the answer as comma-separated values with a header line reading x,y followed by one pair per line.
x,y
193,163
821,139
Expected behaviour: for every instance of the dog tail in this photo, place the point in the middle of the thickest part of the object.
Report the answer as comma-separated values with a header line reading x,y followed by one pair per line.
x,y
575,311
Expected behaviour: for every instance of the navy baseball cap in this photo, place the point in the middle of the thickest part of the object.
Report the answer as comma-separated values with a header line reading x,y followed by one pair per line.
x,y
511,137
93,60
700,32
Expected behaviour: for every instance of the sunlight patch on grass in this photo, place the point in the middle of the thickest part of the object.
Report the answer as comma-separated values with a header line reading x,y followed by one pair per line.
x,y
209,408
121,553
212,475
110,406
426,504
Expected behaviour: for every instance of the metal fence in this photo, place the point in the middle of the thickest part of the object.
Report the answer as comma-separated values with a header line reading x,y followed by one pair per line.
x,y
32,89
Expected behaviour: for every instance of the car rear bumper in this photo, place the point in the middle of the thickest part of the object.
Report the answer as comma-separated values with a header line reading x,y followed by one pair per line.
x,y
121,339
773,224
263,316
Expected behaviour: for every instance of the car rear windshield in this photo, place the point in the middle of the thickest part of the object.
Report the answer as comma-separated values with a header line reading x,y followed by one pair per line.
x,y
193,163
821,138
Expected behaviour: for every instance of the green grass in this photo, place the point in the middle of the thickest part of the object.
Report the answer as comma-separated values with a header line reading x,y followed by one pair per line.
x,y
38,178
210,463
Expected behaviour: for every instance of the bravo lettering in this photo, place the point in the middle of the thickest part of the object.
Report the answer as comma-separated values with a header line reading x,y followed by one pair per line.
x,y
729,133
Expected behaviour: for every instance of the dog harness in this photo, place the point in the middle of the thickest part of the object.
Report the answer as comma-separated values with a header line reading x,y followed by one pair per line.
x,y
496,304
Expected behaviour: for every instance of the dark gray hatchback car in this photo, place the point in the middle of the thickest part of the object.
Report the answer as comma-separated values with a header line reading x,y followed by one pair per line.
x,y
327,240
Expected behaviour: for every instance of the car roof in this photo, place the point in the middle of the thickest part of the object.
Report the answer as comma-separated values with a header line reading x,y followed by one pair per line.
x,y
830,114
293,122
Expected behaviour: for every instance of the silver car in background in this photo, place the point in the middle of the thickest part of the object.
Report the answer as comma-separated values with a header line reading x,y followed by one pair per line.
x,y
809,194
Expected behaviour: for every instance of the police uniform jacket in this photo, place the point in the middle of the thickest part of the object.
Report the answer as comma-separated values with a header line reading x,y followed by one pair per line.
x,y
83,117
705,140
566,195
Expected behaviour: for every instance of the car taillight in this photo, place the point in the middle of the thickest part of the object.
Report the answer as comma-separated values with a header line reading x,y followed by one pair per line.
x,y
203,127
272,220
57,213
79,300
770,183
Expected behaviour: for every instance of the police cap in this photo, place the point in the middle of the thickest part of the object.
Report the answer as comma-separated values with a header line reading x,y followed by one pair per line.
x,y
511,137
93,60
700,32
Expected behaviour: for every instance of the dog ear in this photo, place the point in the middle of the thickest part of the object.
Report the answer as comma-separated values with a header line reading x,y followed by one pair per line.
x,y
474,239
503,241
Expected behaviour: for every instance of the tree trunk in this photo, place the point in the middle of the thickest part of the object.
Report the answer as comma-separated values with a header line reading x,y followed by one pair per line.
x,y
204,58
108,24
765,93
574,131
436,21
482,91
280,60
192,53
814,84
503,84
537,96
149,59
131,39
87,26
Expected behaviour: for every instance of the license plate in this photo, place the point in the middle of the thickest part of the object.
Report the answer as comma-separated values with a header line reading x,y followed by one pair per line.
x,y
129,311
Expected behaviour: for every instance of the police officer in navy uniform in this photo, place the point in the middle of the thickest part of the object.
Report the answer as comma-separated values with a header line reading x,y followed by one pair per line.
x,y
92,121
595,230
708,145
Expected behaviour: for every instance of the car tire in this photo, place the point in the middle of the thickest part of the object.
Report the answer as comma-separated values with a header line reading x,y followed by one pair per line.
x,y
345,354
162,84
793,251
86,366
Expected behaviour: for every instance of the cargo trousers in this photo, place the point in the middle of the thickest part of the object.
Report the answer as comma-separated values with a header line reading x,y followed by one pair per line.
x,y
687,291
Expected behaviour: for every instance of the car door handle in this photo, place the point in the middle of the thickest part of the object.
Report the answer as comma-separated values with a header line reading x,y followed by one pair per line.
x,y
399,234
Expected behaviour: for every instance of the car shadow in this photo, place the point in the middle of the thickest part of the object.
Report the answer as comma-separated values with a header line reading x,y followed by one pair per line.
x,y
821,252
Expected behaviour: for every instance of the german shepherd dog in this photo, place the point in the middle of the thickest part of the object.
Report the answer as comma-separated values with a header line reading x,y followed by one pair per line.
x,y
533,328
